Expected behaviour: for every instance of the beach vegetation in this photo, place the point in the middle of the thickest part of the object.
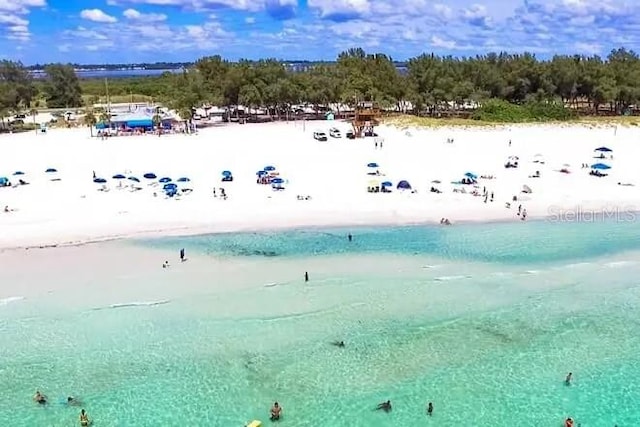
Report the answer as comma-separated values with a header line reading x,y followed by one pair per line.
x,y
491,88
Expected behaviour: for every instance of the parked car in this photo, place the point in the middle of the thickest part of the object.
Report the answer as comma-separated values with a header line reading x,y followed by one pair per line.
x,y
370,133
350,135
335,133
319,136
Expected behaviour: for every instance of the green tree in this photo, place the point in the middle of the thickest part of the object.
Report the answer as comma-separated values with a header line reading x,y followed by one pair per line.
x,y
62,87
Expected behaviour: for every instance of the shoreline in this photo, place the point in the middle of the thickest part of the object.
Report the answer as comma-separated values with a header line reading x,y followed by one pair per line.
x,y
202,230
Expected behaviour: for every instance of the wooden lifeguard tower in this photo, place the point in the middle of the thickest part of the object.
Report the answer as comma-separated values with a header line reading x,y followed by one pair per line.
x,y
367,117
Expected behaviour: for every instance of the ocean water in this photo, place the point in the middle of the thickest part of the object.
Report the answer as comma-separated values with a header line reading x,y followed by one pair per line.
x,y
483,320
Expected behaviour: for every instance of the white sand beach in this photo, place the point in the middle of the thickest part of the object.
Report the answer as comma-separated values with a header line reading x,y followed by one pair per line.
x,y
66,207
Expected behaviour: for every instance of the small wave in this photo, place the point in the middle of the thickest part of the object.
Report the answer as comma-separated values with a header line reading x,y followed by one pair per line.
x,y
532,272
577,265
270,285
615,264
8,300
134,304
448,278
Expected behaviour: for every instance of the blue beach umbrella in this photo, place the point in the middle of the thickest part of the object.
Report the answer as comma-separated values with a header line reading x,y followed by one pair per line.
x,y
471,175
17,173
277,181
372,165
150,175
261,173
51,170
164,180
133,178
269,168
118,176
387,184
183,179
603,149
100,181
226,173
170,186
600,166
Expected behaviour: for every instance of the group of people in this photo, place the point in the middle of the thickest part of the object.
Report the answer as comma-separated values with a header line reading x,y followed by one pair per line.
x,y
41,399
386,407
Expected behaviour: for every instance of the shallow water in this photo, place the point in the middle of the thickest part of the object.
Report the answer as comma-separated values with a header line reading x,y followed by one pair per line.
x,y
483,320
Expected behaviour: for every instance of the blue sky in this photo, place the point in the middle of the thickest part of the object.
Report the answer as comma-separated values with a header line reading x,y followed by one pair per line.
x,y
111,31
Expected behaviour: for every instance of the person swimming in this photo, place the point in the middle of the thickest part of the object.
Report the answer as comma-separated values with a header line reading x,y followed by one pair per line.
x,y
84,418
568,379
568,422
338,343
276,409
385,406
73,401
39,398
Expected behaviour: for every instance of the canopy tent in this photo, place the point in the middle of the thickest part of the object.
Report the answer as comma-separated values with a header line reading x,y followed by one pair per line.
x,y
403,185
600,166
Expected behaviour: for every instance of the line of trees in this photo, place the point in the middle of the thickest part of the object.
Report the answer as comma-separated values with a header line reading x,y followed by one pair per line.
x,y
431,84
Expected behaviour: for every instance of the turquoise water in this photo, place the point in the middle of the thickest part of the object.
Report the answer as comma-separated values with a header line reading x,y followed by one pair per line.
x,y
485,321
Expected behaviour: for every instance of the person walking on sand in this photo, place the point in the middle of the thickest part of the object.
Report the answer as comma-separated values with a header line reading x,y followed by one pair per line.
x,y
306,276
182,258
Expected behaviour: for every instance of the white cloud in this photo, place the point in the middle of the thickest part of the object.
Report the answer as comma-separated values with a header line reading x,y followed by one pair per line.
x,y
97,15
21,6
340,7
134,15
440,42
12,24
250,20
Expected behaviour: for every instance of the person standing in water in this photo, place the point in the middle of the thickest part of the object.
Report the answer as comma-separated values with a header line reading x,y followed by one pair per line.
x,y
430,409
182,258
306,276
567,380
84,418
350,237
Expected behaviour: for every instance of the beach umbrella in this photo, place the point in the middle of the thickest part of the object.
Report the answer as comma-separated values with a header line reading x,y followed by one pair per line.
x,y
119,176
387,184
226,173
133,178
100,180
17,173
51,170
471,175
436,181
277,181
603,149
150,175
183,179
261,173
164,180
600,166
269,168
404,185
372,165
373,183
170,186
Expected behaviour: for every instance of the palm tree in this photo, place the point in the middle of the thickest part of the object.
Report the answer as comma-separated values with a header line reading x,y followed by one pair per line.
x,y
33,113
90,120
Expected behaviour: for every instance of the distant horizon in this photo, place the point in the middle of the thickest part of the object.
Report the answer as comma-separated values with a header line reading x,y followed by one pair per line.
x,y
139,31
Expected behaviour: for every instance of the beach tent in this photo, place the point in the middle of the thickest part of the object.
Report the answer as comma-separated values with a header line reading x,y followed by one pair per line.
x,y
603,149
600,166
150,175
403,185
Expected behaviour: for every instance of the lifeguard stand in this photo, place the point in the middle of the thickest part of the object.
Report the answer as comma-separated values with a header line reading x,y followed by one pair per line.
x,y
366,119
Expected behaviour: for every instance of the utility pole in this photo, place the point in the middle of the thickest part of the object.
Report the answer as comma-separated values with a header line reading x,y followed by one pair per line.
x,y
106,85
